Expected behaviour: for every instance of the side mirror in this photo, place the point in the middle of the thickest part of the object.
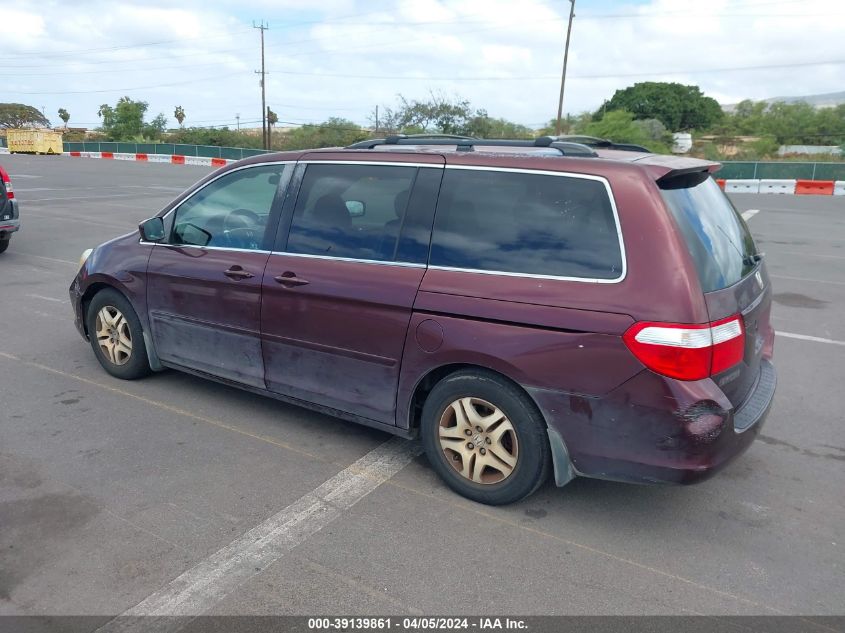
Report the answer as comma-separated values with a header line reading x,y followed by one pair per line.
x,y
152,230
356,208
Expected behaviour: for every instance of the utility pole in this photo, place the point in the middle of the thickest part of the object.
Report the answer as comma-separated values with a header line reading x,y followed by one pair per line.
x,y
376,132
563,74
262,72
238,119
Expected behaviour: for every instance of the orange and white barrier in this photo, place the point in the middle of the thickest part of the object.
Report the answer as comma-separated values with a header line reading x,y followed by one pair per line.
x,y
175,159
788,187
780,186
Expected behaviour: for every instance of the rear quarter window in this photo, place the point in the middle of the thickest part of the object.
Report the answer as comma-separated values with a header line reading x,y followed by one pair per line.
x,y
716,235
526,223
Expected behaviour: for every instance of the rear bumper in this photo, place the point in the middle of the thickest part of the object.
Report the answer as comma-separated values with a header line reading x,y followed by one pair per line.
x,y
647,432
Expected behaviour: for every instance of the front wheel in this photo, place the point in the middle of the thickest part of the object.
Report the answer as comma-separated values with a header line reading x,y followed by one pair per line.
x,y
485,438
116,335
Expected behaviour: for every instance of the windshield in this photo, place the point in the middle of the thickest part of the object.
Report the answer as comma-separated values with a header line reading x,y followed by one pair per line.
x,y
715,233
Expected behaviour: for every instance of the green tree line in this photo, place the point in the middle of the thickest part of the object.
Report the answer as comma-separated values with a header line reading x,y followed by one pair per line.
x,y
646,113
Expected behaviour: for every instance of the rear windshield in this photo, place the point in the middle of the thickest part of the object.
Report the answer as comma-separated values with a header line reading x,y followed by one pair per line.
x,y
715,233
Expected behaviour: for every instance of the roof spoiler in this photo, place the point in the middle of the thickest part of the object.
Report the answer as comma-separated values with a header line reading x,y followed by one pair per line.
x,y
685,178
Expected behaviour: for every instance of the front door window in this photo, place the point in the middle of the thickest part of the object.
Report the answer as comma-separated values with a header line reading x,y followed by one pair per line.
x,y
231,212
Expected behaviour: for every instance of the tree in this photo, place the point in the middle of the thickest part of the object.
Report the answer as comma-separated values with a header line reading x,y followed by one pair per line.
x,y
155,128
654,130
272,117
64,116
620,126
106,113
15,115
334,132
677,106
125,121
483,126
179,114
439,115
222,137
783,123
571,125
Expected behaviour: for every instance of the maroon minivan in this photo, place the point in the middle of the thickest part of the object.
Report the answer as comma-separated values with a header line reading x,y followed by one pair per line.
x,y
522,306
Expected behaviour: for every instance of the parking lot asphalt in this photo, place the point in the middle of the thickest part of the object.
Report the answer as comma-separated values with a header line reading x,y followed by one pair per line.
x,y
114,492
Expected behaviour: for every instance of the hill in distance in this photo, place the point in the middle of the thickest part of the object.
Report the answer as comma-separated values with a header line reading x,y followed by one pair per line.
x,y
827,100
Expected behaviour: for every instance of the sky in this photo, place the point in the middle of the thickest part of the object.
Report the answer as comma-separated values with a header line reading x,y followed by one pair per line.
x,y
344,57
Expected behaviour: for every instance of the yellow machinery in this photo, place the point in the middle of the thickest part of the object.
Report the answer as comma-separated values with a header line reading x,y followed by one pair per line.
x,y
34,141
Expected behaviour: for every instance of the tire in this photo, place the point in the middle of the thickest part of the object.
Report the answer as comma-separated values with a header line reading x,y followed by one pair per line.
x,y
513,461
4,244
120,344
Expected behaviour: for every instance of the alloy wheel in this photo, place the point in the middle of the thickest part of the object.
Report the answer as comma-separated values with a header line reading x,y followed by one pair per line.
x,y
113,335
478,440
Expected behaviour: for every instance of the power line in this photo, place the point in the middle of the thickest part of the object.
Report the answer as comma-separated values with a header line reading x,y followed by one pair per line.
x,y
110,49
541,77
130,89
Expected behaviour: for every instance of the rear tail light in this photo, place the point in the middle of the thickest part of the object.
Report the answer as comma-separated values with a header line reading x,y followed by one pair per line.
x,y
688,352
8,184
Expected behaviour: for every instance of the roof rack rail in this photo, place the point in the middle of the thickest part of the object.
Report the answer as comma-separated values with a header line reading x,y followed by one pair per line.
x,y
601,143
394,139
468,143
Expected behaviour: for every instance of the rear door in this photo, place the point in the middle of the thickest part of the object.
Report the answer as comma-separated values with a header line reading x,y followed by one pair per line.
x,y
732,275
339,288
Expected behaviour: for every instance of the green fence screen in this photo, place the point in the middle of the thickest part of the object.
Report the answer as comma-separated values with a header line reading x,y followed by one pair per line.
x,y
168,149
781,170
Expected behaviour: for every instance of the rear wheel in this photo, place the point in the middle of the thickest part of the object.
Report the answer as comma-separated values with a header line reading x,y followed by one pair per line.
x,y
4,244
485,438
116,335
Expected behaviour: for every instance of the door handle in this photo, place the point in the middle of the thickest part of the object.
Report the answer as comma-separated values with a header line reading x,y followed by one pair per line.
x,y
289,280
237,273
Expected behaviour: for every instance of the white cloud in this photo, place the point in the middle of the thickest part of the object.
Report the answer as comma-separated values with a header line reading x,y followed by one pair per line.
x,y
342,57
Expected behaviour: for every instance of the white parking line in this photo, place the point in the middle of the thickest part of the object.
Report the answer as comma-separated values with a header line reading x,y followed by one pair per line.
x,y
43,298
805,337
750,214
808,279
106,197
197,590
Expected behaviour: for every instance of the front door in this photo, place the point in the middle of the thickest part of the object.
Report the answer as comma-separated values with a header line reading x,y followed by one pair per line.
x,y
338,290
204,284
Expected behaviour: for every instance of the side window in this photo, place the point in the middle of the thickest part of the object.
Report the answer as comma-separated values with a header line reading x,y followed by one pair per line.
x,y
526,223
231,212
351,211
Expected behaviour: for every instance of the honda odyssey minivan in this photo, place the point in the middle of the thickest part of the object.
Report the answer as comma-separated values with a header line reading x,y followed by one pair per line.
x,y
524,307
